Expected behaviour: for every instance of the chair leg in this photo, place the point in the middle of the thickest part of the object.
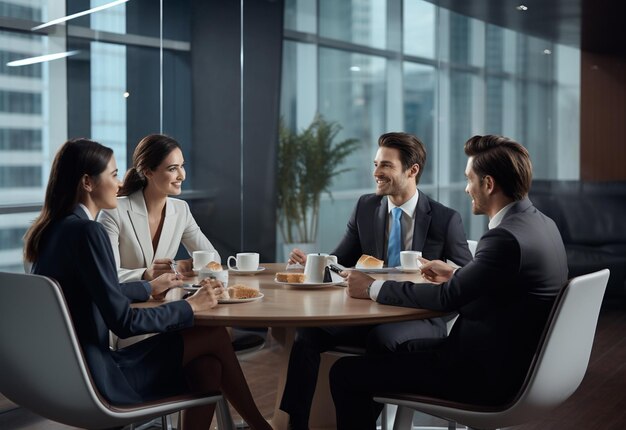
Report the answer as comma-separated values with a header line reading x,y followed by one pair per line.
x,y
404,419
224,419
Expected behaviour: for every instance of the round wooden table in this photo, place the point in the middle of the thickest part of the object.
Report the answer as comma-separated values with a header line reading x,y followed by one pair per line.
x,y
284,308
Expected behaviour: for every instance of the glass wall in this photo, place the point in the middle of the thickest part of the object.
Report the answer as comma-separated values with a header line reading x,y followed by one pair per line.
x,y
407,65
108,81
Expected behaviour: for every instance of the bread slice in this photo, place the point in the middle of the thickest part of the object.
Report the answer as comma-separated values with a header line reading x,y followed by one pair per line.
x,y
291,277
369,262
240,291
214,266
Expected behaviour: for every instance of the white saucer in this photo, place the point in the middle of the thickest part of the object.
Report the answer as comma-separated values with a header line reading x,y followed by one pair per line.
x,y
311,284
407,270
246,272
383,270
252,299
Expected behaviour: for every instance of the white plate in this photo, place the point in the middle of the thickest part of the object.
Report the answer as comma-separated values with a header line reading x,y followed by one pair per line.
x,y
407,270
252,299
310,284
383,270
247,272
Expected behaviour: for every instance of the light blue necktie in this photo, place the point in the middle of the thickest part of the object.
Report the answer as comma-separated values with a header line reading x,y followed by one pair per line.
x,y
395,239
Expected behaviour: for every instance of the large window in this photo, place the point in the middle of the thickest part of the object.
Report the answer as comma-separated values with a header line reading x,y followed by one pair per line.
x,y
390,65
113,62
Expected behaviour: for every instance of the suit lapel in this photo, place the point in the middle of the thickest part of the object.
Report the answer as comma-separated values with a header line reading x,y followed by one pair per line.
x,y
168,230
380,227
138,215
422,222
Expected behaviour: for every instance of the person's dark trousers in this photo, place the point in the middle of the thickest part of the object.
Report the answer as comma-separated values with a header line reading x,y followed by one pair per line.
x,y
310,342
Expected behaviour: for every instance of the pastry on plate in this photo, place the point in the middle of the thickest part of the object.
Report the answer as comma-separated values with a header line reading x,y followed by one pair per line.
x,y
291,277
369,262
240,291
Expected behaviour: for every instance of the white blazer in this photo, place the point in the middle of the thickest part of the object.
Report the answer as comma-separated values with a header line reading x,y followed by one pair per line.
x,y
129,232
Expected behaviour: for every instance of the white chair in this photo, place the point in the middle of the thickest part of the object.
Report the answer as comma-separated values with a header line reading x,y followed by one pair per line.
x,y
43,369
550,379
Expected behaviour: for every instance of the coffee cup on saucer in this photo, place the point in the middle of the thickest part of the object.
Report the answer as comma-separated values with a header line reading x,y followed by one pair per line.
x,y
244,261
409,260
202,258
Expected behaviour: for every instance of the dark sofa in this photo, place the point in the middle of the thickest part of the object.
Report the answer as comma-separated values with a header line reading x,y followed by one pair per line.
x,y
591,217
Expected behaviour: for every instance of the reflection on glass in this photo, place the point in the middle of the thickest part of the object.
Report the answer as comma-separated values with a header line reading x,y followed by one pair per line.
x,y
301,15
419,105
419,28
363,22
356,100
108,101
461,108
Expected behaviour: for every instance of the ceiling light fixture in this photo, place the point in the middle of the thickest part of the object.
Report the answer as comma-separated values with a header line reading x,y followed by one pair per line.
x,y
355,68
547,52
41,59
78,14
522,7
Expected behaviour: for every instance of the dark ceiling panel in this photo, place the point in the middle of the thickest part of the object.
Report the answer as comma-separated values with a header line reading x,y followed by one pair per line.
x,y
594,25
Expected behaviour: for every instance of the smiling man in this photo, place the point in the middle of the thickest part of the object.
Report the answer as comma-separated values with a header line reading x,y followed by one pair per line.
x,y
397,217
503,298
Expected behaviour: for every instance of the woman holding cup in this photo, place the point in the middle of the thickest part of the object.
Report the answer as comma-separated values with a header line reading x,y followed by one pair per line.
x,y
148,225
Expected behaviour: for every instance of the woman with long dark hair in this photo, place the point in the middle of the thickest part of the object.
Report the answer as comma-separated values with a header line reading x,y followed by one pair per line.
x,y
148,225
66,244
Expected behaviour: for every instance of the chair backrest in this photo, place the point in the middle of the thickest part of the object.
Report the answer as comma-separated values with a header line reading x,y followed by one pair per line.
x,y
42,366
557,369
562,361
41,363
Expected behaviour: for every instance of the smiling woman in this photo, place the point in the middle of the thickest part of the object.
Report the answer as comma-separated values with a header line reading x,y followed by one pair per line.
x,y
147,226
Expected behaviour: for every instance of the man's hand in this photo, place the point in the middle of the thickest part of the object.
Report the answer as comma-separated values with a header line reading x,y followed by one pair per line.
x,y
162,284
436,270
358,284
159,267
206,297
297,256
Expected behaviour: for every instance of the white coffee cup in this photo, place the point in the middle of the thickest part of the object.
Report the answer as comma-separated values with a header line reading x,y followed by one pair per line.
x,y
409,261
202,258
245,261
220,275
315,265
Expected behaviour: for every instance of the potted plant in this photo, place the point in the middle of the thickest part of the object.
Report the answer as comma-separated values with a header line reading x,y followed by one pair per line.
x,y
307,163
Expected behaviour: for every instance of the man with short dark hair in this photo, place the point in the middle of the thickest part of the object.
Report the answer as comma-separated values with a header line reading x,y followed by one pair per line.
x,y
503,298
397,217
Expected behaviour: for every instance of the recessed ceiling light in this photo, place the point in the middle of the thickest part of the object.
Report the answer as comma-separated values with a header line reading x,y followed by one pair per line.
x,y
126,94
522,7
547,52
41,59
355,69
76,15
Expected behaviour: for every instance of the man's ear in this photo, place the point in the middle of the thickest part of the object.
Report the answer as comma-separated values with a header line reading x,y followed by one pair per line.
x,y
489,183
414,170
86,183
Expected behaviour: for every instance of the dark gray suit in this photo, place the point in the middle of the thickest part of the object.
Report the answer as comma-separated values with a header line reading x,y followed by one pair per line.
x,y
438,233
503,297
77,253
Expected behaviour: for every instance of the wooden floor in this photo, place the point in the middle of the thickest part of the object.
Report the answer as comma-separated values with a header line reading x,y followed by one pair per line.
x,y
599,403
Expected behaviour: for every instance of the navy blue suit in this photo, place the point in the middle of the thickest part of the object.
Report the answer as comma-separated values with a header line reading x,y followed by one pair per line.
x,y
503,298
77,253
438,233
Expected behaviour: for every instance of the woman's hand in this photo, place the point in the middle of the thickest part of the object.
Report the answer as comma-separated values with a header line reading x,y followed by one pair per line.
x,y
206,297
162,284
159,267
436,270
185,268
